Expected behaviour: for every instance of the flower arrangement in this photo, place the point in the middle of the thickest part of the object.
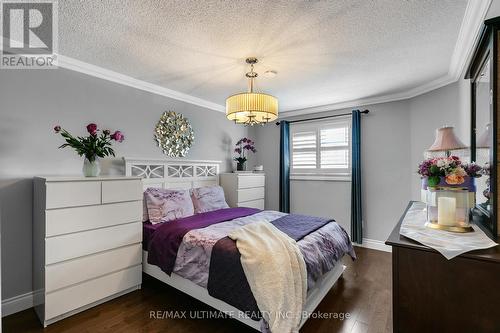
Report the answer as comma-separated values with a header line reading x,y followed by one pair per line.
x,y
451,168
242,145
93,145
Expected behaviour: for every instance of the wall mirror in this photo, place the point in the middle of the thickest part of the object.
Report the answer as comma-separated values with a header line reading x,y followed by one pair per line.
x,y
483,77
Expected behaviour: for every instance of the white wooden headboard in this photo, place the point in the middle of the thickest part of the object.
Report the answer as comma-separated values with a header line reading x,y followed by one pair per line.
x,y
173,174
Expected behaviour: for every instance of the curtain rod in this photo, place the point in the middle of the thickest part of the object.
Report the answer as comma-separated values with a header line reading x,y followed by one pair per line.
x,y
324,117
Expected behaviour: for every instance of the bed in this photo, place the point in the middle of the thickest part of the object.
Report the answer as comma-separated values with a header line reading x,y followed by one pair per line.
x,y
187,174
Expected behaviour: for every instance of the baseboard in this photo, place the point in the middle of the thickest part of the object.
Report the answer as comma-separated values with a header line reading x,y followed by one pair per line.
x,y
374,245
17,304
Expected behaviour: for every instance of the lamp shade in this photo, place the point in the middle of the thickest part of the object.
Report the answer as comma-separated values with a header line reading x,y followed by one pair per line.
x,y
252,108
484,140
446,140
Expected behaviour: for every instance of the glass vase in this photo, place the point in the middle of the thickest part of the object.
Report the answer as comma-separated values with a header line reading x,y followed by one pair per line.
x,y
240,166
91,168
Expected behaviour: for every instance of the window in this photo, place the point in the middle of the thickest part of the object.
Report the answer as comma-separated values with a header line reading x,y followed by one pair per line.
x,y
321,150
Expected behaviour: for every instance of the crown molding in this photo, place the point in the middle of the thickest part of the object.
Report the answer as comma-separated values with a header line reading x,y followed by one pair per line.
x,y
474,16
106,74
468,36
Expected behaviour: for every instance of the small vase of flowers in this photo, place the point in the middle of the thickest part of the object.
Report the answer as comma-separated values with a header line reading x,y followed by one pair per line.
x,y
92,147
243,145
448,172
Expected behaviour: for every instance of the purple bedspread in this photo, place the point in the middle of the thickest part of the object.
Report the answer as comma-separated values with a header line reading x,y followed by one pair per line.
x,y
168,236
231,285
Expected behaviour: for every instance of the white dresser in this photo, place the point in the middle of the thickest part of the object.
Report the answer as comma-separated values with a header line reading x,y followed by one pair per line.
x,y
87,235
244,189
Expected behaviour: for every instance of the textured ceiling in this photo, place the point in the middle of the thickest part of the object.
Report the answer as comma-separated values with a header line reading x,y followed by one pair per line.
x,y
324,51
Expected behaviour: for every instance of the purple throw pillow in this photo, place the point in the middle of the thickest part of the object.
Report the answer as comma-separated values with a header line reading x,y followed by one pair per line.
x,y
167,205
208,198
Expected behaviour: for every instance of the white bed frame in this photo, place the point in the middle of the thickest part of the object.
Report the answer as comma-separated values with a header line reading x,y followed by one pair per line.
x,y
186,174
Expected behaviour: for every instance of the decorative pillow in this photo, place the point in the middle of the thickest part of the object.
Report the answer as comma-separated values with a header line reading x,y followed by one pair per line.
x,y
208,198
167,205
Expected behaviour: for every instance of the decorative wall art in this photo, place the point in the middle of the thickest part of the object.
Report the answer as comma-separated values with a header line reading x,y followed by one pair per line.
x,y
174,134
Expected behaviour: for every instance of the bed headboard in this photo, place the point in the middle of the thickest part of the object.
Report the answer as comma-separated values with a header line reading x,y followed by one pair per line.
x,y
173,174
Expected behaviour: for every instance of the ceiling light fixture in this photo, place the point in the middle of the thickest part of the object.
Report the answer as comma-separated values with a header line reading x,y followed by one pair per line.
x,y
251,108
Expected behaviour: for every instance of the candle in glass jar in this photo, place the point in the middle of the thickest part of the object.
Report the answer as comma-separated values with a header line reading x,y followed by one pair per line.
x,y
447,211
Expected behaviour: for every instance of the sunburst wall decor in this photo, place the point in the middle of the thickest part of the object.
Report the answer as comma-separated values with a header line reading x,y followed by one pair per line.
x,y
174,134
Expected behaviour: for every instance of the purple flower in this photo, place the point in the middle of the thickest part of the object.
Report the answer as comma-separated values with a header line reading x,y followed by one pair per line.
x,y
57,128
118,136
237,150
92,128
473,170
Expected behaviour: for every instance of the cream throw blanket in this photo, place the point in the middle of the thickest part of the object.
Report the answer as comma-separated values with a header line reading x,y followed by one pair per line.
x,y
276,273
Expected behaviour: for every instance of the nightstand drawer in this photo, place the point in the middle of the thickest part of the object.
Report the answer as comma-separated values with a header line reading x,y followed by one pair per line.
x,y
60,248
71,194
251,181
121,190
74,297
259,204
70,272
248,194
67,220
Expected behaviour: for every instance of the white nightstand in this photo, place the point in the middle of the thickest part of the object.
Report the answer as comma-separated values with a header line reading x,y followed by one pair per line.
x,y
244,189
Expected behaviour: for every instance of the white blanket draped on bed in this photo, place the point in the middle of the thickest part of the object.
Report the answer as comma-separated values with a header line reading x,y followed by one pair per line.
x,y
276,273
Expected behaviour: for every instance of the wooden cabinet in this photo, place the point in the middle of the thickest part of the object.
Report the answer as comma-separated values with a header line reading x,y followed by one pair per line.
x,y
87,235
433,294
244,189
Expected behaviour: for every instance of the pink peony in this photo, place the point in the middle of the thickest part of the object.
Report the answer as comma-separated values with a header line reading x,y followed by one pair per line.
x,y
92,128
118,136
57,128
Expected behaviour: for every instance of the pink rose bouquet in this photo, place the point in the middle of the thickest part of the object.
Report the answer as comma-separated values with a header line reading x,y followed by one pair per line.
x,y
92,146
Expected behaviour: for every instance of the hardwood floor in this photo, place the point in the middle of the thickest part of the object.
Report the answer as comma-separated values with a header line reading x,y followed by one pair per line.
x,y
364,293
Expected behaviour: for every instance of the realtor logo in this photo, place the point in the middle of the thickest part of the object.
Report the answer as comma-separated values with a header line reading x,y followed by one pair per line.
x,y
29,34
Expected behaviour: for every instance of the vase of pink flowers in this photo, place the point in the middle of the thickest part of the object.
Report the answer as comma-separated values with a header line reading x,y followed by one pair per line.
x,y
242,146
449,172
91,147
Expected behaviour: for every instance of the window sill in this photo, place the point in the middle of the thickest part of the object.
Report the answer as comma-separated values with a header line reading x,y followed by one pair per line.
x,y
330,178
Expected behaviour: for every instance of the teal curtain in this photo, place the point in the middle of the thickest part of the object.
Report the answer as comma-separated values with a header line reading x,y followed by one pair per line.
x,y
284,166
356,205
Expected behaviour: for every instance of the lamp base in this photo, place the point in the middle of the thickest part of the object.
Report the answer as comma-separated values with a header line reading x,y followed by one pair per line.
x,y
449,228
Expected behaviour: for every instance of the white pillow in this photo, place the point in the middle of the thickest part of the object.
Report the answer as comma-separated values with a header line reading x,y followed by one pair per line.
x,y
208,198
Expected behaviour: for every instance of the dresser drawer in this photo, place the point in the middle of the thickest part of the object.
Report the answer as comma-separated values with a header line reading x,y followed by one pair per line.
x,y
67,220
259,204
60,248
61,301
251,181
74,271
70,194
248,194
121,190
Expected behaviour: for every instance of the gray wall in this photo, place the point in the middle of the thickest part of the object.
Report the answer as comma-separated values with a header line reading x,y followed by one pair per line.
x,y
33,101
448,105
394,137
385,144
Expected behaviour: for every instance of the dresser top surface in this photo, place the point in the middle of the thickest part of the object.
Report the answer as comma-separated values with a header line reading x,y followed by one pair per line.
x,y
395,239
83,179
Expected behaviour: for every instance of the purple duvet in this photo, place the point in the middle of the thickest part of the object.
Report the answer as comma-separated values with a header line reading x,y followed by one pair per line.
x,y
197,248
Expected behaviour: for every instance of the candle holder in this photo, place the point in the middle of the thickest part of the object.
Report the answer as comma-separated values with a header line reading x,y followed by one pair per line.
x,y
448,208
